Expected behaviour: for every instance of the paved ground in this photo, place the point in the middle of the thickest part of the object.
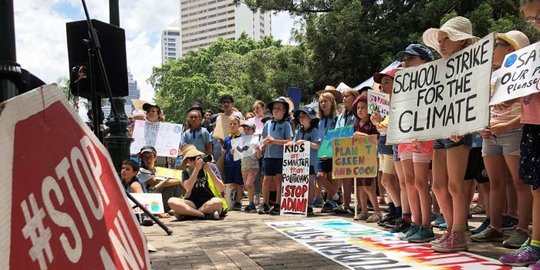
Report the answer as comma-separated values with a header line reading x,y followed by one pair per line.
x,y
243,241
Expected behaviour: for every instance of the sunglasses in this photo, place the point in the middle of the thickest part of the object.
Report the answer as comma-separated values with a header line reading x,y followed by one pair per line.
x,y
192,158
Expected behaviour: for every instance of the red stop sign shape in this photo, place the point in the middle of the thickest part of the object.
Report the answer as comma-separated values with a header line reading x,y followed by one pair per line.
x,y
68,209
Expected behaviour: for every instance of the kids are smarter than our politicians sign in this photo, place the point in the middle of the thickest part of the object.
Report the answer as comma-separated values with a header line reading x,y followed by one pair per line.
x,y
519,75
444,97
295,183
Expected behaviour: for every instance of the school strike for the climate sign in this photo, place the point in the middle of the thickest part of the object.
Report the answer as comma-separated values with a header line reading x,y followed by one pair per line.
x,y
295,184
519,76
442,98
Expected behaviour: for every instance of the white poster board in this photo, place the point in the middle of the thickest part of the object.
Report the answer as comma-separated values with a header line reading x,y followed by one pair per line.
x,y
295,183
165,137
244,146
519,75
378,102
444,97
151,201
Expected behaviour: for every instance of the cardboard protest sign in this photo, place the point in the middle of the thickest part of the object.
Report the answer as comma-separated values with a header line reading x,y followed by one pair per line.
x,y
519,75
295,183
444,97
165,173
63,206
354,158
326,145
165,137
378,102
151,201
244,146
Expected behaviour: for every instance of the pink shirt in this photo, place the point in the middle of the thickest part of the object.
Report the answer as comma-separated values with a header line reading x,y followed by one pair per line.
x,y
258,125
530,109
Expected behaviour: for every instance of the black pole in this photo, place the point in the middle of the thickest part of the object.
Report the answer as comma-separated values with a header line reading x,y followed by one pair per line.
x,y
10,71
114,12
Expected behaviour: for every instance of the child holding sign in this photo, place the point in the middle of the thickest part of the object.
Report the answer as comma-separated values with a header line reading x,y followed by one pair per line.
x,y
250,167
363,127
529,170
450,156
233,169
308,132
327,114
276,133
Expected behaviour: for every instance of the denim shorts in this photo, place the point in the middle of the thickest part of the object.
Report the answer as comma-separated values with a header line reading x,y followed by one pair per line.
x,y
447,143
506,144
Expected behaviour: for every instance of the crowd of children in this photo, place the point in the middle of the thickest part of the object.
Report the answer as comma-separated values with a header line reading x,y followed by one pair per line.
x,y
428,183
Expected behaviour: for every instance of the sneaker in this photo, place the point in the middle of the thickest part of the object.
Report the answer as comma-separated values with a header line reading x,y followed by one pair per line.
x,y
264,209
477,209
535,266
524,256
440,239
453,243
257,199
386,218
340,209
237,206
509,223
250,208
516,239
413,229
146,221
310,211
402,225
434,216
328,206
318,203
391,223
488,235
423,235
482,227
212,216
439,222
275,210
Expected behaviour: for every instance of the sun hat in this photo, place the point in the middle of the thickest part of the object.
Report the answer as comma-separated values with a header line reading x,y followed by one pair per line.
x,y
355,104
189,151
332,90
310,112
249,123
377,77
147,106
285,103
138,113
416,50
196,107
515,38
457,28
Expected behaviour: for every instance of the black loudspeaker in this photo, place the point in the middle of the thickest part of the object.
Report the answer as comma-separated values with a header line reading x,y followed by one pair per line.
x,y
113,50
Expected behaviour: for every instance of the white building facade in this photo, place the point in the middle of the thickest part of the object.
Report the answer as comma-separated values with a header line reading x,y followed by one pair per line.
x,y
202,22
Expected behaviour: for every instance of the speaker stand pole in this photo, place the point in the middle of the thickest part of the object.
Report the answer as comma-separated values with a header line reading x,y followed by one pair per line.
x,y
118,143
10,71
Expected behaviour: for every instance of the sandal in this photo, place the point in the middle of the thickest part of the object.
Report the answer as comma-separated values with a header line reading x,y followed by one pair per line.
x,y
362,216
375,217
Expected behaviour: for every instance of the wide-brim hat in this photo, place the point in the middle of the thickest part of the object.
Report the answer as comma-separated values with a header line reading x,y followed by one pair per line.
x,y
310,112
137,113
377,77
355,104
196,107
457,28
148,106
189,151
515,38
285,103
332,90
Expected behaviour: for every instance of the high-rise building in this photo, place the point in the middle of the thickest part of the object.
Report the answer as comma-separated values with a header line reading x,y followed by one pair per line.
x,y
202,22
134,93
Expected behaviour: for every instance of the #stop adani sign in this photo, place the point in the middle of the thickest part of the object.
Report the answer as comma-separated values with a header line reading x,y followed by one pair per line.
x,y
61,203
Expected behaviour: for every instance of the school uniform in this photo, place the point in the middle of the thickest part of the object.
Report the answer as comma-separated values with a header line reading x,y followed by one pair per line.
x,y
199,137
273,154
312,135
325,124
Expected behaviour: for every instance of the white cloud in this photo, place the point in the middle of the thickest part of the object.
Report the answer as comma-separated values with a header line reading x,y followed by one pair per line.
x,y
41,34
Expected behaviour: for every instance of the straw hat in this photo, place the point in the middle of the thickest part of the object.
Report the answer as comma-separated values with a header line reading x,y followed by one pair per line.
x,y
457,28
516,39
332,90
189,151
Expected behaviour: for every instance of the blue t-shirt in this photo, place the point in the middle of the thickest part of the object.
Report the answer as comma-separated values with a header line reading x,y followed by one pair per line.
x,y
279,130
199,137
345,119
311,135
127,186
229,158
325,124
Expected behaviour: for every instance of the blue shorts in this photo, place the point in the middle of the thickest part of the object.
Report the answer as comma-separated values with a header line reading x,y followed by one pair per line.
x,y
325,165
233,175
272,166
529,161
447,143
395,149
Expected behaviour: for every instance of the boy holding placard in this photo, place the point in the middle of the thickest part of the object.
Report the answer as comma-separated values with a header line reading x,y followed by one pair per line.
x,y
276,133
250,167
308,132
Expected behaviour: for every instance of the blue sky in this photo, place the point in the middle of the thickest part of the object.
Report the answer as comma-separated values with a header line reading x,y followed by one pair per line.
x,y
41,38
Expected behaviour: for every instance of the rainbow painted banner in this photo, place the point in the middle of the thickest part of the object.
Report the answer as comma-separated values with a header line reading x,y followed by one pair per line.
x,y
356,246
